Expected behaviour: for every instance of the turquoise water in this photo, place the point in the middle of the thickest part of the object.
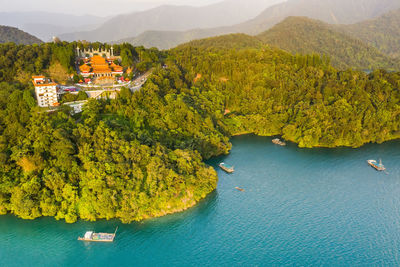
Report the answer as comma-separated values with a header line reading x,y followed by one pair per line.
x,y
300,207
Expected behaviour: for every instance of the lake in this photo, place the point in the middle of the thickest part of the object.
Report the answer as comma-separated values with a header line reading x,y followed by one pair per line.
x,y
299,207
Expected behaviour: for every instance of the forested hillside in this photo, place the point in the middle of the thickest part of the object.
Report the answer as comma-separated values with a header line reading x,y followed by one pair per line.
x,y
306,36
118,159
14,35
141,155
231,41
270,92
382,33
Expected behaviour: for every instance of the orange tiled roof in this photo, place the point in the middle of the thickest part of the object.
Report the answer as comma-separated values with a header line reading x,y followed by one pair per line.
x,y
98,60
44,82
101,69
99,65
84,68
115,67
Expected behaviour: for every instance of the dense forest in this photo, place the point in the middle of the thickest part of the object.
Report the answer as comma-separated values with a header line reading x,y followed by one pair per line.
x,y
382,32
10,34
303,98
57,60
306,36
142,154
100,164
301,35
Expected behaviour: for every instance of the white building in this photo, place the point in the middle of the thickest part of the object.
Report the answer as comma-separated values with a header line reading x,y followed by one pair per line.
x,y
46,91
77,106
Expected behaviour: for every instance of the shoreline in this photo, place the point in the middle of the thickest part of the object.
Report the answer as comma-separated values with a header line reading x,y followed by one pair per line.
x,y
316,146
189,204
192,203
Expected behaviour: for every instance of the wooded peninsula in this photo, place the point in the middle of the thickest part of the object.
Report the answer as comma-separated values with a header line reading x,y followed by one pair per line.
x,y
142,154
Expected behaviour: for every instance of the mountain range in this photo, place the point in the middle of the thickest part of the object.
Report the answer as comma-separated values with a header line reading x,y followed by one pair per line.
x,y
173,18
369,39
11,34
302,35
329,11
45,25
307,36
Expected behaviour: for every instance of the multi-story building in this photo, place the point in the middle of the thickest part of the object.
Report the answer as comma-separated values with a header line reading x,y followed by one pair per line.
x,y
46,91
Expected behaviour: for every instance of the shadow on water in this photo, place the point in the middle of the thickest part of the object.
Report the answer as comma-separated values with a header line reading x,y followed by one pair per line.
x,y
301,206
47,228
203,209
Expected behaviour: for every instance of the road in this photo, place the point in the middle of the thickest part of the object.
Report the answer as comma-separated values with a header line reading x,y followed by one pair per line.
x,y
139,81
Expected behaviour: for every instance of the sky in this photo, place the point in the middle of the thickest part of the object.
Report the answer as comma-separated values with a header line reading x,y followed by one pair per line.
x,y
92,7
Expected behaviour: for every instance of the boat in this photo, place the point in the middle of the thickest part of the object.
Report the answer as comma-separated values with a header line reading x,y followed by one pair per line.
x,y
278,141
240,189
91,236
378,166
226,167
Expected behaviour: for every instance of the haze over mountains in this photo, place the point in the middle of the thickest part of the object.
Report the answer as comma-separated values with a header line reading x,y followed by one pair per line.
x,y
174,18
14,35
168,26
329,11
45,25
362,34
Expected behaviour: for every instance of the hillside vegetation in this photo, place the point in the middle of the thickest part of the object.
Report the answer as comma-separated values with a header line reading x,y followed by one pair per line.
x,y
115,160
142,154
382,33
231,41
14,35
306,36
270,92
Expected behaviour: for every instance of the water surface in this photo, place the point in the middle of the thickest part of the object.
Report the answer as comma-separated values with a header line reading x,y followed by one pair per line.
x,y
300,207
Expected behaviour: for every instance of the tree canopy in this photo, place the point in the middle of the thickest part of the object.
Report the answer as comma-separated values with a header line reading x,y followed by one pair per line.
x,y
142,154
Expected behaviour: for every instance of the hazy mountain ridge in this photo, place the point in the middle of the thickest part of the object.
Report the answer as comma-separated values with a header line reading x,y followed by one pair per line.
x,y
173,18
15,35
330,11
46,25
171,39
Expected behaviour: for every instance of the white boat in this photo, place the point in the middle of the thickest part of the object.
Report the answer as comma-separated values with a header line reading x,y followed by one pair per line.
x,y
91,236
378,166
226,167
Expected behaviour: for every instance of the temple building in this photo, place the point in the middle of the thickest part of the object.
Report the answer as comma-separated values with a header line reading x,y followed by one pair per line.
x,y
99,67
46,91
88,53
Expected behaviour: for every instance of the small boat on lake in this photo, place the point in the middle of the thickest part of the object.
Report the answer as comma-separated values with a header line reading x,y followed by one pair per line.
x,y
378,166
240,189
91,236
278,141
226,167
